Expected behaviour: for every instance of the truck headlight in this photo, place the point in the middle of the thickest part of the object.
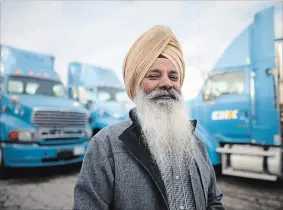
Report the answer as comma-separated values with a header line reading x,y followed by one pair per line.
x,y
25,136
21,135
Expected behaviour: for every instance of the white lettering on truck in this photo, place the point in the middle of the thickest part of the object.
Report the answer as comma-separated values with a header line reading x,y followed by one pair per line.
x,y
224,115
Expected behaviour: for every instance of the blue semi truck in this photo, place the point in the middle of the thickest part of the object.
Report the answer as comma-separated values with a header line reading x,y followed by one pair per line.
x,y
39,124
240,106
100,91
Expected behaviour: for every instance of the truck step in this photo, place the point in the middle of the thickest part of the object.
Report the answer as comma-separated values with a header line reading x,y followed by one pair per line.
x,y
249,152
264,176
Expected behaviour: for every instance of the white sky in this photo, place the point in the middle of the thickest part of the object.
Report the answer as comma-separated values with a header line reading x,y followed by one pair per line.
x,y
101,32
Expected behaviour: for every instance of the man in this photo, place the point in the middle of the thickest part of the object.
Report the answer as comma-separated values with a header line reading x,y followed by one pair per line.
x,y
153,160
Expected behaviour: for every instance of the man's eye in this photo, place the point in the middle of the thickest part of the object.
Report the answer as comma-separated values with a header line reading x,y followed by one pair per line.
x,y
152,76
174,77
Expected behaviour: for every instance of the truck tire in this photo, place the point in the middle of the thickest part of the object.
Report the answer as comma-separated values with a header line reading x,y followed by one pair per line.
x,y
218,170
3,168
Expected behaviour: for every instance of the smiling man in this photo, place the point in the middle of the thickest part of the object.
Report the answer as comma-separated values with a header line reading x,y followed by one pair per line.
x,y
153,160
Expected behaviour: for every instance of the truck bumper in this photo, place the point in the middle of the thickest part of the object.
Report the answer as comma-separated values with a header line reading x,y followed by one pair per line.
x,y
251,161
27,155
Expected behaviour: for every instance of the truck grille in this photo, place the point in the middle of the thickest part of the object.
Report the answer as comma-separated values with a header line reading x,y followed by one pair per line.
x,y
59,119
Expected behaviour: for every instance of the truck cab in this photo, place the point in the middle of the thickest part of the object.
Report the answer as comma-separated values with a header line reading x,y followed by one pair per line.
x,y
101,92
39,125
239,107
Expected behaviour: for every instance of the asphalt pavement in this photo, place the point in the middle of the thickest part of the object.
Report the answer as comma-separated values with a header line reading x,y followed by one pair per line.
x,y
52,188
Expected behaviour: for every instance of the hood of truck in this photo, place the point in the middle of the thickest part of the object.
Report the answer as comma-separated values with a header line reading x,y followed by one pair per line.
x,y
40,101
112,108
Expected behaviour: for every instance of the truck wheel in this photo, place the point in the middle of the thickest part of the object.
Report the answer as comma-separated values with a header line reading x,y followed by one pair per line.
x,y
3,169
218,170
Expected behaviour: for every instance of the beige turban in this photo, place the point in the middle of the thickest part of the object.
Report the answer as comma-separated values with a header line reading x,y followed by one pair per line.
x,y
159,40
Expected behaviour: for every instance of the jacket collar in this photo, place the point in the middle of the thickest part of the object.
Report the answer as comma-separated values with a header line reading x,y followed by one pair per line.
x,y
133,140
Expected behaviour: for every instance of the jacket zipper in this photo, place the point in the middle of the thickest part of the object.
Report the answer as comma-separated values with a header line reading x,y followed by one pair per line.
x,y
151,177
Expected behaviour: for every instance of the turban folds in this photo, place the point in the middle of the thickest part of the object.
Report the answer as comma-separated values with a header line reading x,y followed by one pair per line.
x,y
159,40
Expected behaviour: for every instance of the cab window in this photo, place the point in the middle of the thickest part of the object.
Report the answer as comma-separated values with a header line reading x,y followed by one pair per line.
x,y
31,88
59,90
15,86
225,83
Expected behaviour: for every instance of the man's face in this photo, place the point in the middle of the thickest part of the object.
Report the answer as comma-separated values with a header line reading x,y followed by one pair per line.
x,y
161,75
162,113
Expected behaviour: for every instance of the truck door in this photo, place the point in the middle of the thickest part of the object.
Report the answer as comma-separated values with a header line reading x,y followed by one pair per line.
x,y
226,104
265,116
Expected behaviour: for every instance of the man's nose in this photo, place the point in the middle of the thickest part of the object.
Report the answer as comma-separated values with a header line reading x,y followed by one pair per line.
x,y
166,83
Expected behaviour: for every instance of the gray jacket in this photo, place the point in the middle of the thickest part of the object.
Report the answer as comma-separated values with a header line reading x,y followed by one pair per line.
x,y
117,173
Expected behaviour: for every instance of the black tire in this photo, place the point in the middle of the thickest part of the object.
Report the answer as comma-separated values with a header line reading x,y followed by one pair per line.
x,y
3,168
218,170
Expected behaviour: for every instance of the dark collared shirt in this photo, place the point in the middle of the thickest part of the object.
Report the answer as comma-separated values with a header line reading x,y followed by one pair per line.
x,y
177,181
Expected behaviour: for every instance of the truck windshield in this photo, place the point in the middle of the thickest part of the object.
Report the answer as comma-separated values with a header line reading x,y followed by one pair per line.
x,y
112,94
103,94
225,84
35,86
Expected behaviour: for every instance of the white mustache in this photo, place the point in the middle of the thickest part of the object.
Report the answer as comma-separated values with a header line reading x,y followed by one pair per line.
x,y
159,93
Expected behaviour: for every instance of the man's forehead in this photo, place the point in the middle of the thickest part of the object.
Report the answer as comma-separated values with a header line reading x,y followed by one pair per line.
x,y
159,70
163,64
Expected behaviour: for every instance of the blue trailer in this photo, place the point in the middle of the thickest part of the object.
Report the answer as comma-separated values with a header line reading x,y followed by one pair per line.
x,y
240,106
39,124
101,92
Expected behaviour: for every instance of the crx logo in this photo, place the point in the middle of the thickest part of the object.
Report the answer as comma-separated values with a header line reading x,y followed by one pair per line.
x,y
224,115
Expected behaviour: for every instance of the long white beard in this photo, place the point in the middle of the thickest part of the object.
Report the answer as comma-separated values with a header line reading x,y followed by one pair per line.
x,y
166,126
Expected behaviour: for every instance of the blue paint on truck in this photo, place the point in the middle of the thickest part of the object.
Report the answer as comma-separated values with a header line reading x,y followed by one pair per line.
x,y
39,125
240,105
101,92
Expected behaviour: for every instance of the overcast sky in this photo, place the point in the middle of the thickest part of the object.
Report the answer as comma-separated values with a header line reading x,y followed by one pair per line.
x,y
101,32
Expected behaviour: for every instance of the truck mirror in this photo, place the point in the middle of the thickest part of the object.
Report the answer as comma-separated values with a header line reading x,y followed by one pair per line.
x,y
90,104
269,71
205,96
208,96
15,100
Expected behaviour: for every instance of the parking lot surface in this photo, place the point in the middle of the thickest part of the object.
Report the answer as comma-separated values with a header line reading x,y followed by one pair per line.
x,y
52,188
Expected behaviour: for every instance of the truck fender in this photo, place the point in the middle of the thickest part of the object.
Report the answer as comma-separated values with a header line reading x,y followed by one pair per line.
x,y
211,143
9,123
